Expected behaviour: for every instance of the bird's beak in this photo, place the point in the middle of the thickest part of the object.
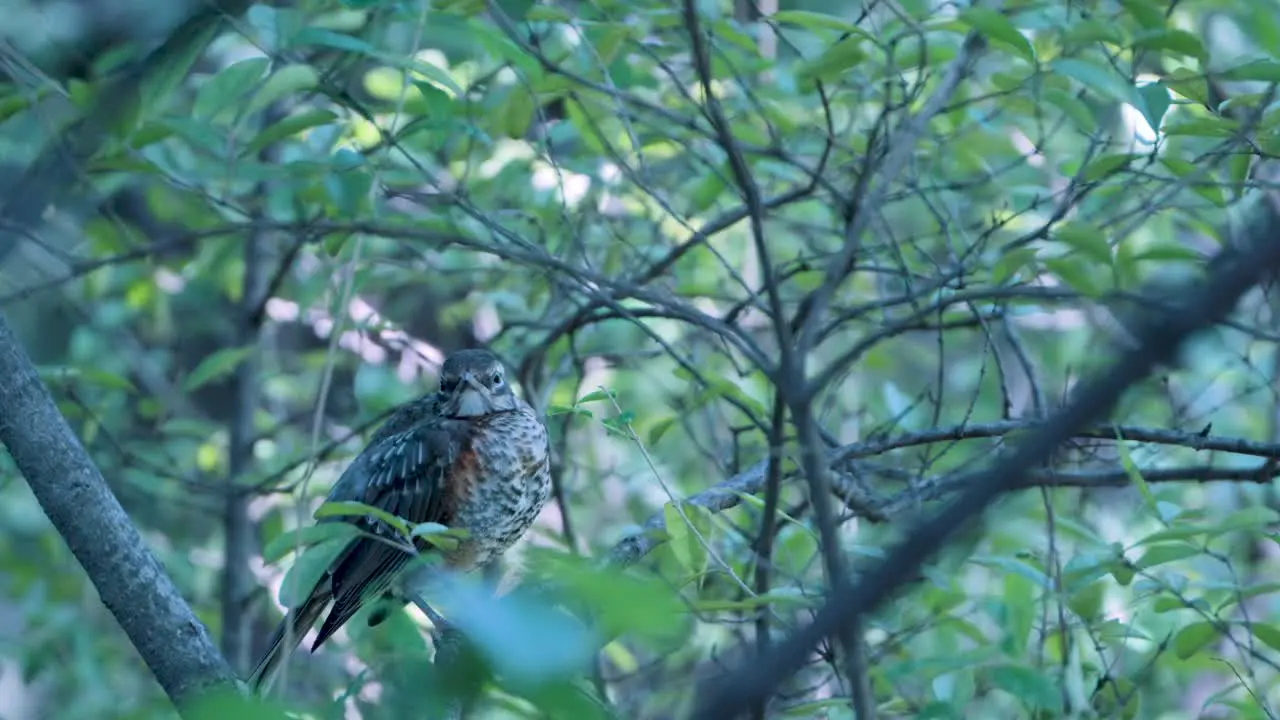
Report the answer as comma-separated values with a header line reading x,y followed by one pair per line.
x,y
470,379
473,397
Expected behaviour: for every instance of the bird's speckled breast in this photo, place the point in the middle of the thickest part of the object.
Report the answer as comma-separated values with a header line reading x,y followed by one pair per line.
x,y
511,483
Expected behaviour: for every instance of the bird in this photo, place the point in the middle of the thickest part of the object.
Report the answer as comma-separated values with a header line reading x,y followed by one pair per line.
x,y
471,455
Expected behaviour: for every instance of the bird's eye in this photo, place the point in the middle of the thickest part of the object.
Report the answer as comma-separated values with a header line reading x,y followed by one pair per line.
x,y
448,386
496,380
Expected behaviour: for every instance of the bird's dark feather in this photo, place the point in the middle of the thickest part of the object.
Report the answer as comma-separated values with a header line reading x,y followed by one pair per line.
x,y
403,474
487,474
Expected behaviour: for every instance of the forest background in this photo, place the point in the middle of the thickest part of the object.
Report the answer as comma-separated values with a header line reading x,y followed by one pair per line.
x,y
966,307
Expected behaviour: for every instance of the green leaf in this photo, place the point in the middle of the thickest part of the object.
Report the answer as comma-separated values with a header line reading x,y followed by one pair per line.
x,y
554,410
1178,532
1073,108
1087,602
815,21
436,102
1103,81
620,602
107,379
1092,31
620,424
1086,238
437,77
1170,253
678,536
1261,70
172,65
833,62
659,429
1249,518
583,119
621,657
1192,638
1155,103
348,183
996,26
717,387
1200,179
1123,573
1167,553
440,536
335,40
101,378
607,38
201,135
595,396
493,42
1106,165
428,72
307,571
1189,84
1179,42
548,13
758,503
216,365
1018,608
219,704
1148,13
428,528
287,127
149,134
517,113
1011,263
1267,633
1034,689
685,545
706,191
1076,274
13,103
1167,604
1135,475
334,242
349,508
1209,127
282,83
1014,566
219,95
303,537
1117,699
777,596
1238,170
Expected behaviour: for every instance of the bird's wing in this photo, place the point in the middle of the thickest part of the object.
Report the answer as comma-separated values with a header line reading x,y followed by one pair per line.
x,y
354,481
405,474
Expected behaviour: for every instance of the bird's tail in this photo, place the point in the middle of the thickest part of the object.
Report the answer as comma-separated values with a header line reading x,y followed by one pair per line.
x,y
294,625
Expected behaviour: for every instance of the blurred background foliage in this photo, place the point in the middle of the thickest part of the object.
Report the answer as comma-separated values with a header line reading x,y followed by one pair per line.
x,y
285,232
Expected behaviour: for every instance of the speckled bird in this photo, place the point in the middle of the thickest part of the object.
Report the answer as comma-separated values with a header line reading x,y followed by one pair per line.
x,y
471,456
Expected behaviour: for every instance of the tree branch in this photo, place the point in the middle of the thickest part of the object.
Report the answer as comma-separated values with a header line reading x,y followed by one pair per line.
x,y
1230,275
71,491
752,481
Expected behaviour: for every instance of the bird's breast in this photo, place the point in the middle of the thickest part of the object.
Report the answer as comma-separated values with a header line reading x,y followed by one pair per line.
x,y
504,485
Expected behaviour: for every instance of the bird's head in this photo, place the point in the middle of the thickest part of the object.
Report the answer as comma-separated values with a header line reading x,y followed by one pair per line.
x,y
474,383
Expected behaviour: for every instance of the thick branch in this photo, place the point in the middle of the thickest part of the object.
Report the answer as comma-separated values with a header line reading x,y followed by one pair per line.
x,y
129,579
70,489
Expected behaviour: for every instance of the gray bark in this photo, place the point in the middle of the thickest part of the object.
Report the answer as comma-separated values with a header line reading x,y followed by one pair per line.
x,y
128,578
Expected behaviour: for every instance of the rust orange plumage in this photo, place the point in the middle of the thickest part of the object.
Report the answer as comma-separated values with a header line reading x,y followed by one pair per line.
x,y
471,455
